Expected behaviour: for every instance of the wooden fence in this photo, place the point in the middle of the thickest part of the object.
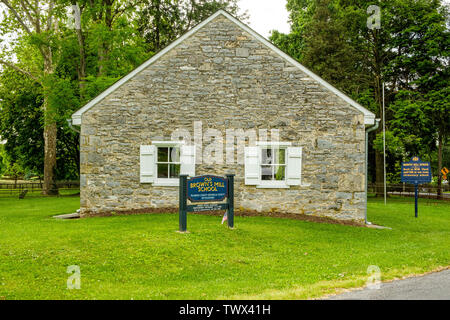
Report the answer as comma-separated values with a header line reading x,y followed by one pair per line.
x,y
14,189
407,190
403,190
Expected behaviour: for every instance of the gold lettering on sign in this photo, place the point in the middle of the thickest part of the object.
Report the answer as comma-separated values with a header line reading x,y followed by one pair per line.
x,y
207,186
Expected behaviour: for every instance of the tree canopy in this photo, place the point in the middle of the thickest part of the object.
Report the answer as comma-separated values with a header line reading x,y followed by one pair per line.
x,y
56,55
60,54
408,53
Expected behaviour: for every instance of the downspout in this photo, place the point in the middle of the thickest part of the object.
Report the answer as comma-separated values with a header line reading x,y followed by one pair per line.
x,y
369,130
69,121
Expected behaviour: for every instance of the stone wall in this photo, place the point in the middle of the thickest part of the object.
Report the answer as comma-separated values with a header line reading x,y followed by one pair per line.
x,y
227,79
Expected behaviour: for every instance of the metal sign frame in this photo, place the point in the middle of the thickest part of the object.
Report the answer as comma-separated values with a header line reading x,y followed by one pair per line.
x,y
419,168
184,208
417,179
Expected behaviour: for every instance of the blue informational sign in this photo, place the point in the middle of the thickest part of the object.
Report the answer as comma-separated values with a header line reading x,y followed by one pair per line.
x,y
207,188
416,171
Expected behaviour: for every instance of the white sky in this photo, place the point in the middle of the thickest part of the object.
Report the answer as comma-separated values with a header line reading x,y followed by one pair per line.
x,y
266,15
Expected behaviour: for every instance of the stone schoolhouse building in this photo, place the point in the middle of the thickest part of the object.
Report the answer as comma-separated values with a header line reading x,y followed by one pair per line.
x,y
308,155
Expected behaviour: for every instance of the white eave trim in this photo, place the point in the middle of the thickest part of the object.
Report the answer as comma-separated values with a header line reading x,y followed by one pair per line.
x,y
369,120
369,117
76,118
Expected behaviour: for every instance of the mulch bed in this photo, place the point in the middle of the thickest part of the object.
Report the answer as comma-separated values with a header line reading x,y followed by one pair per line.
x,y
291,216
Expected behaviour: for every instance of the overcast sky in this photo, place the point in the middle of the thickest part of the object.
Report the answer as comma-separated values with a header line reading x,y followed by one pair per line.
x,y
266,15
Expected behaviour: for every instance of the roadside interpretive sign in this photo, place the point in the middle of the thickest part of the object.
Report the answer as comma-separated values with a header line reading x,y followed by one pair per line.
x,y
416,172
209,190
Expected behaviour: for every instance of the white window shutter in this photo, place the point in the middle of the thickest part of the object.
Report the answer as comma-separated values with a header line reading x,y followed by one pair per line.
x,y
148,164
251,166
294,166
187,159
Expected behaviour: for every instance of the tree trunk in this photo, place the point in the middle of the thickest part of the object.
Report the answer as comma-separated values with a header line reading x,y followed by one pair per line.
x,y
157,26
101,61
50,133
82,66
103,50
440,146
82,69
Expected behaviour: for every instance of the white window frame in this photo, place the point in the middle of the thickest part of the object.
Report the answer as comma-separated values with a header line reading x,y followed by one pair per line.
x,y
272,184
166,182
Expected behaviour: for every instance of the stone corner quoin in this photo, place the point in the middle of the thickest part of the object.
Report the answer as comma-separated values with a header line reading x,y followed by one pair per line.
x,y
226,78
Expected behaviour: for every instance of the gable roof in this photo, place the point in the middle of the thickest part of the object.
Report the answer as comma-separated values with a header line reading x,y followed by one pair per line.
x,y
369,117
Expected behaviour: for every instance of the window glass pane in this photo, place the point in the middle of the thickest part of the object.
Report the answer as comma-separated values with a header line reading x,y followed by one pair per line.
x,y
163,154
280,173
163,171
174,154
174,171
267,173
280,156
266,156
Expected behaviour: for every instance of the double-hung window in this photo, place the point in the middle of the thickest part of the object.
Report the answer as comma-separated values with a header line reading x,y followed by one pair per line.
x,y
162,162
273,165
168,163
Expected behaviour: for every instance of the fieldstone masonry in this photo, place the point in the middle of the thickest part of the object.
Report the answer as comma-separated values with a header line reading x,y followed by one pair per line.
x,y
226,78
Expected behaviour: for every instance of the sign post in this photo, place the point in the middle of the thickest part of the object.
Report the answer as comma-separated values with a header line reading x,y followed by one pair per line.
x,y
230,200
183,203
416,172
416,195
204,190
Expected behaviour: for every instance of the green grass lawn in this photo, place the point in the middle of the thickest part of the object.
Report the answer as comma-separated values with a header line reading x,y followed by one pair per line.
x,y
142,257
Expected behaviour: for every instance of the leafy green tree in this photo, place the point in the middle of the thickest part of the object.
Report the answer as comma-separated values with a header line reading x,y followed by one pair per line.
x,y
69,66
335,42
301,15
421,69
21,125
409,52
2,159
21,120
36,50
437,108
162,21
14,170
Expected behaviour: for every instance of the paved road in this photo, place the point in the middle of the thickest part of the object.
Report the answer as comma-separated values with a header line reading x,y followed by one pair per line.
x,y
435,286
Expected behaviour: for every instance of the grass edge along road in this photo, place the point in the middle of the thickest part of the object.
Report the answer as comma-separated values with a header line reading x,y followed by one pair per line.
x,y
142,257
